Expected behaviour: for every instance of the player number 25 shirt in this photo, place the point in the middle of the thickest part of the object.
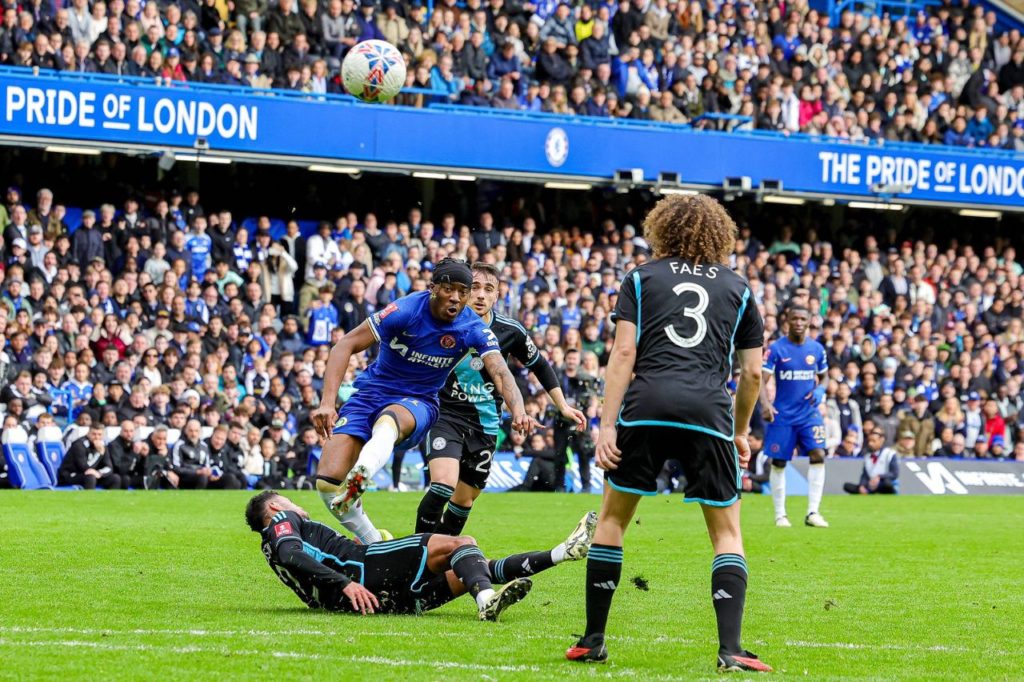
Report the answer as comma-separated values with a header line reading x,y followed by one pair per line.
x,y
417,351
689,319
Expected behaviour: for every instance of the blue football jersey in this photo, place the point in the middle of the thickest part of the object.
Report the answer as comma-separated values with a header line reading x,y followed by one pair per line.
x,y
796,368
200,245
417,351
322,322
78,392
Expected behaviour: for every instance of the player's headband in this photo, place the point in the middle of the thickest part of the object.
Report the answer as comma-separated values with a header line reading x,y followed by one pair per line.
x,y
453,272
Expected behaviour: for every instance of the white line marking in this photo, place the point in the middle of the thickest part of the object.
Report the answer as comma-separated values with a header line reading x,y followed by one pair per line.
x,y
224,651
662,639
199,632
115,125
888,647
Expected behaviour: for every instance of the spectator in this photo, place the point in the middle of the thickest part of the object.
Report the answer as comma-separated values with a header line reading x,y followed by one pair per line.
x,y
442,78
225,472
540,476
918,421
881,469
665,110
88,463
190,458
886,418
958,135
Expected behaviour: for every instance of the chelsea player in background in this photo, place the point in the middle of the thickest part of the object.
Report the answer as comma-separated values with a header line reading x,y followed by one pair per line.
x,y
422,337
794,419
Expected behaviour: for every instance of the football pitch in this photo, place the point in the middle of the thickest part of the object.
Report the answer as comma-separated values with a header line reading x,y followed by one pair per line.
x,y
172,585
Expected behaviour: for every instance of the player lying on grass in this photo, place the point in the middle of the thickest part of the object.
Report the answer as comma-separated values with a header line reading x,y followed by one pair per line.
x,y
408,575
422,337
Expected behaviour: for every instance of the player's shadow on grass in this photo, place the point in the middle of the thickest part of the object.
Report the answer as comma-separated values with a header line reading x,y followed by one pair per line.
x,y
318,614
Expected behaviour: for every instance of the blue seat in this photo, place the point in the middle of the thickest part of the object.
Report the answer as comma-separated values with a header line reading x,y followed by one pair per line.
x,y
23,467
50,450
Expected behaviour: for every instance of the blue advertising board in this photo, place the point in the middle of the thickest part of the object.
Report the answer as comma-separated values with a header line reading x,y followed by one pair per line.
x,y
507,471
239,120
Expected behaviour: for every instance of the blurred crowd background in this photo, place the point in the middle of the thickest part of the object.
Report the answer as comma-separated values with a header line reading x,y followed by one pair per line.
x,y
946,74
189,345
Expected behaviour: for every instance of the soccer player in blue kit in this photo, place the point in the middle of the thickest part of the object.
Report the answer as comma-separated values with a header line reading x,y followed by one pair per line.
x,y
422,337
794,418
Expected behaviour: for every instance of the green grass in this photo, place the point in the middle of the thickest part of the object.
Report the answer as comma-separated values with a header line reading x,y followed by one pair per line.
x,y
173,586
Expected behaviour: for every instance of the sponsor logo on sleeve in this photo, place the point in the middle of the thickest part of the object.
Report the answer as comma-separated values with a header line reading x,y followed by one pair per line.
x,y
531,347
283,528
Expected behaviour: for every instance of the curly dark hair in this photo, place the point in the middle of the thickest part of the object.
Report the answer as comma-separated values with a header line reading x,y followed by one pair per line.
x,y
256,509
694,228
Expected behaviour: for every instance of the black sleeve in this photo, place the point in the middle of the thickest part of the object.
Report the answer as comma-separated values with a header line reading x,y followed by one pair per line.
x,y
750,330
74,462
626,305
120,458
286,544
526,351
290,555
178,461
106,465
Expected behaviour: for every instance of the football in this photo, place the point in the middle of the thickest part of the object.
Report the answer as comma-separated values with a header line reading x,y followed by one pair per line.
x,y
373,71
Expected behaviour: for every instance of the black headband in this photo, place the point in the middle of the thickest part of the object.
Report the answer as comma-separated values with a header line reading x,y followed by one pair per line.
x,y
452,272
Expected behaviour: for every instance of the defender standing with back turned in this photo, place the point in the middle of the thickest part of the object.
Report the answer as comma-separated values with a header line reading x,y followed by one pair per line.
x,y
461,444
679,318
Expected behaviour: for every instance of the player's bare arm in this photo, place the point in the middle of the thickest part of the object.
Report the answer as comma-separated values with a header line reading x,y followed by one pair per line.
x,y
569,412
506,384
746,398
617,377
355,341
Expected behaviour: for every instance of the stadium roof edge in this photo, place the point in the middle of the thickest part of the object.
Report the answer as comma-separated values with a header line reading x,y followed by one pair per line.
x,y
353,166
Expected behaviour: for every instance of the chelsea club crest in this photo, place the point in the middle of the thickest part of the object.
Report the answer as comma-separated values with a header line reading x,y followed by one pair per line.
x,y
556,147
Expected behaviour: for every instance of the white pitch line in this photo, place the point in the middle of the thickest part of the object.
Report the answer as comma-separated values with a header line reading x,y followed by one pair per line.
x,y
889,647
223,651
199,632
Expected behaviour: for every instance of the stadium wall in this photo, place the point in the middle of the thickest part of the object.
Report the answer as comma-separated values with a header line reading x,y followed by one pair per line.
x,y
242,124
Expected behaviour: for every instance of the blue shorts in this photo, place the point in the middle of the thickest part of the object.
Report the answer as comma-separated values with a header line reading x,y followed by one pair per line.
x,y
781,439
358,415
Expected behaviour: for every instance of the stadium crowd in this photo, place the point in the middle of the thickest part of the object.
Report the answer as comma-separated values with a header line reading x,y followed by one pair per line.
x,y
178,347
942,76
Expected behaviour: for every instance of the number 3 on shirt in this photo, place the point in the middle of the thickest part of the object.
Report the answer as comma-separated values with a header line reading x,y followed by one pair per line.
x,y
696,313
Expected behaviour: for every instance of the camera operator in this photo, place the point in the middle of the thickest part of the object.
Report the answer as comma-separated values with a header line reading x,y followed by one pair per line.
x,y
580,391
